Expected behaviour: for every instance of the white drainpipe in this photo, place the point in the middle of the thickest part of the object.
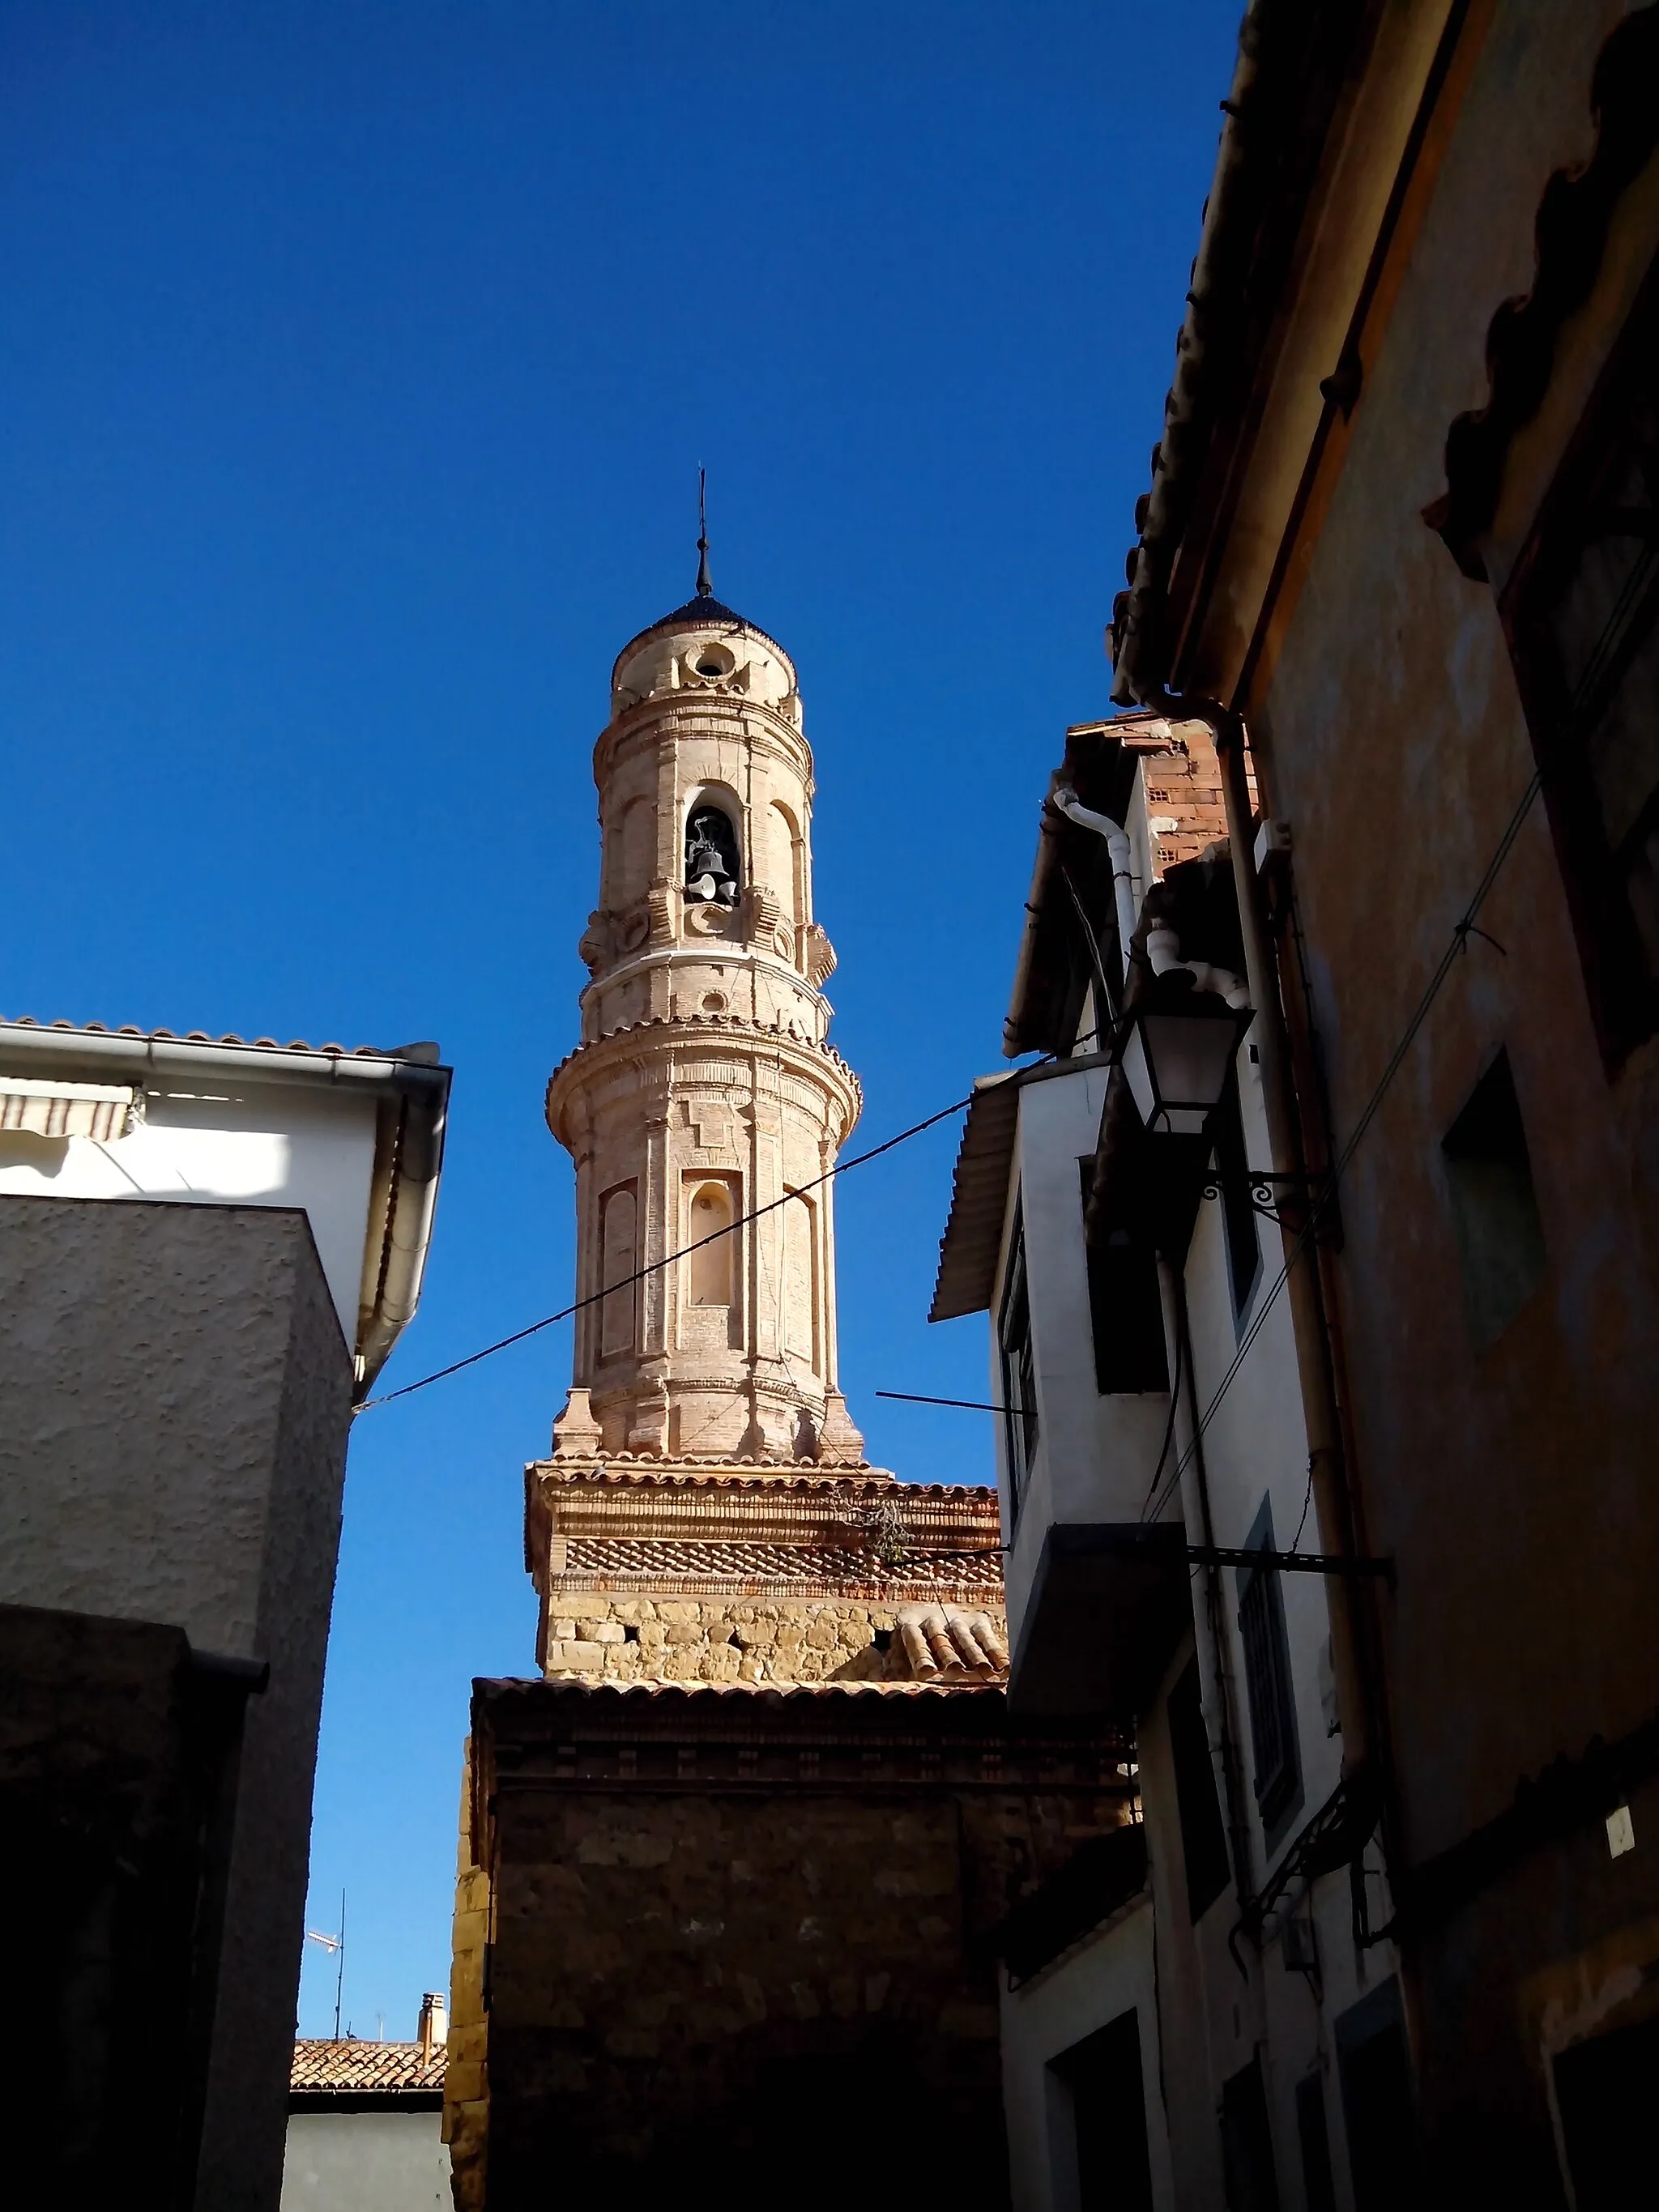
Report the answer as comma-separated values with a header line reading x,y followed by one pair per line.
x,y
1117,844
1164,957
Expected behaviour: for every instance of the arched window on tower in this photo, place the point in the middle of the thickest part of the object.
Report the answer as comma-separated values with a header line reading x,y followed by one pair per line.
x,y
712,1266
711,857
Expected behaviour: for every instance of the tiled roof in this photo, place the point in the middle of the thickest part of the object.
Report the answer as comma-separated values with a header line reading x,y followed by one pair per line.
x,y
1571,230
618,1469
649,1687
666,1563
351,2069
201,1036
703,612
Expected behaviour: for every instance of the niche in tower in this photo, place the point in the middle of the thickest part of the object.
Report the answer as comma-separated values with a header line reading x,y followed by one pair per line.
x,y
711,1317
712,868
618,1261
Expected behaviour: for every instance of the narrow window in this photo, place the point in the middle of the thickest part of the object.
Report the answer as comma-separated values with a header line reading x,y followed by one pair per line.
x,y
1018,1368
713,1264
1267,1678
1582,619
1203,1839
1125,1310
1237,1207
1500,1239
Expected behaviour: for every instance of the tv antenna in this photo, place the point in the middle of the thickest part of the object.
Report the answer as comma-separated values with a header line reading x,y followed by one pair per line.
x,y
335,1945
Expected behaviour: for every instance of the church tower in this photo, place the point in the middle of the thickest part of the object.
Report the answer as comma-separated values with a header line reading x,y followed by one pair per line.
x,y
707,1512
704,1105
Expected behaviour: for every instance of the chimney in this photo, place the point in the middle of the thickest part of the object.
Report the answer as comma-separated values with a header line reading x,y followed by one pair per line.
x,y
434,2032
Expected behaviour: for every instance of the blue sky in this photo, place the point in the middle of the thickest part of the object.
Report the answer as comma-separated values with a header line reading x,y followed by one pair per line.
x,y
355,368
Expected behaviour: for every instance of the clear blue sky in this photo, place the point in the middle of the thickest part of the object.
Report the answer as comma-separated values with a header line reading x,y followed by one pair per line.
x,y
355,365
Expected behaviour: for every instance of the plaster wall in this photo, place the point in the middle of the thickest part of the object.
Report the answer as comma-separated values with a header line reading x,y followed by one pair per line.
x,y
365,2161
1110,1972
1511,1479
1254,1447
223,1139
175,1398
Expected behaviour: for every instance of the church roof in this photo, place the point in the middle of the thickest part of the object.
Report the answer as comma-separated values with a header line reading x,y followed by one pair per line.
x,y
705,611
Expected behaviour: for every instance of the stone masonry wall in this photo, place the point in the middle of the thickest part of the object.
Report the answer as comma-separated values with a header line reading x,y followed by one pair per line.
x,y
721,1639
749,1940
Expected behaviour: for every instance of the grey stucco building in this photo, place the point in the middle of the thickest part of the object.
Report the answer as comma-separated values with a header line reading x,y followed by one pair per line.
x,y
183,1333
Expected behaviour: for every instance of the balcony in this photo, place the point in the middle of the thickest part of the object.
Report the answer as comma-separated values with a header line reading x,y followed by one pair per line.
x,y
1097,1599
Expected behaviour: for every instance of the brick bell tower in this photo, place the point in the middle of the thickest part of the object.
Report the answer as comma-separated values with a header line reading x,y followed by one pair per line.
x,y
704,1087
707,1512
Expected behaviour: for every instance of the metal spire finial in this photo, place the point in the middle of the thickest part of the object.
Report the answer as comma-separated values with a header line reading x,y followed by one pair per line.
x,y
705,588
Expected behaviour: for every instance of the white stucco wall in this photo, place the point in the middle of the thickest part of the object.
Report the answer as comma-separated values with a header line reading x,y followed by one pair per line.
x,y
1094,1454
365,2161
1256,1446
1110,1973
217,1138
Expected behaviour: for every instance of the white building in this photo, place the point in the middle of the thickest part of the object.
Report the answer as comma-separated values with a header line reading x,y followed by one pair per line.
x,y
207,1252
1190,2027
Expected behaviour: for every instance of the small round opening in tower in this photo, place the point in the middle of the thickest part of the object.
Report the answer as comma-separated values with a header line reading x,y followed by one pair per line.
x,y
711,662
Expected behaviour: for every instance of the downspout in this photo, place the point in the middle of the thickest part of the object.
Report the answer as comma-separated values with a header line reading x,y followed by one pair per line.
x,y
1117,845
1355,1638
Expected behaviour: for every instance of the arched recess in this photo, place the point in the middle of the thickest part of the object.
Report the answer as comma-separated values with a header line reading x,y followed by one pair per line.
x,y
721,835
638,852
785,860
713,1267
803,1334
619,1248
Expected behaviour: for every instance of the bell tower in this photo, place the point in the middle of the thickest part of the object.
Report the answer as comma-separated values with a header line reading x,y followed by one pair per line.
x,y
704,1104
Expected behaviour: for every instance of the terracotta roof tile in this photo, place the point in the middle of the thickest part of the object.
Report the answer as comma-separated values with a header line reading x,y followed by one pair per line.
x,y
351,2069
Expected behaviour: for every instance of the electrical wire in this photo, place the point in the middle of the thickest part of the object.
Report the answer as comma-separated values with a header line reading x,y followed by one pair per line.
x,y
535,1327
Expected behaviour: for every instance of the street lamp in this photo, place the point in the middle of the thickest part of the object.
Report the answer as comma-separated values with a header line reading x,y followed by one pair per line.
x,y
1177,1054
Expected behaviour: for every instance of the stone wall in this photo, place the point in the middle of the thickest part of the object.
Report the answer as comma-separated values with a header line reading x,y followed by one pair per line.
x,y
685,1639
747,1935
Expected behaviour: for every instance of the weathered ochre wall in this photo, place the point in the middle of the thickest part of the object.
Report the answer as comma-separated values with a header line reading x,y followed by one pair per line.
x,y
1511,1481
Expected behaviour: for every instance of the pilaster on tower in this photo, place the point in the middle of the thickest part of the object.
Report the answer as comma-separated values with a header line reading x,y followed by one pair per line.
x,y
704,1105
